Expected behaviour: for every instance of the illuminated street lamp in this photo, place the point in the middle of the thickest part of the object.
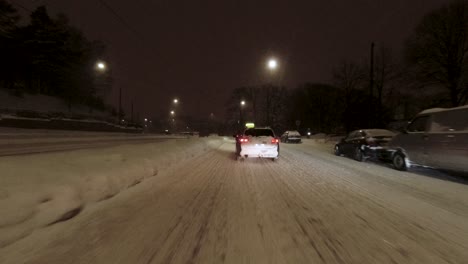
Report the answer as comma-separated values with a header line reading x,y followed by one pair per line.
x,y
272,64
176,101
242,103
146,119
172,113
101,66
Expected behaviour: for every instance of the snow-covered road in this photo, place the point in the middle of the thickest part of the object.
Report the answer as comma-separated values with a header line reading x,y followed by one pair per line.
x,y
308,207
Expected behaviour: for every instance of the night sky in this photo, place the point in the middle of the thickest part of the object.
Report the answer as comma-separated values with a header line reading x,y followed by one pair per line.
x,y
200,50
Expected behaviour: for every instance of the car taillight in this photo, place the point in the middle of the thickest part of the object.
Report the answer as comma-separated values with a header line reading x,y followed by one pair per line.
x,y
274,141
244,140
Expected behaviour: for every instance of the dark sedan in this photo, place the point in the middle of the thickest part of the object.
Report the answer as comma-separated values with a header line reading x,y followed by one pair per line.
x,y
365,143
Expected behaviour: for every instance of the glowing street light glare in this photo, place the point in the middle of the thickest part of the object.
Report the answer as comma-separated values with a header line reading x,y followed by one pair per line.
x,y
172,112
101,65
242,103
272,64
176,101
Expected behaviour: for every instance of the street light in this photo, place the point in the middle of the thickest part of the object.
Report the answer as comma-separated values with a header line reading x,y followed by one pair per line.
x,y
172,113
242,102
272,64
101,66
146,119
176,101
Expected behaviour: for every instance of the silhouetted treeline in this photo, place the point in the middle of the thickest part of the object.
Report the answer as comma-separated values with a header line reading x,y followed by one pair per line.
x,y
319,107
264,105
49,56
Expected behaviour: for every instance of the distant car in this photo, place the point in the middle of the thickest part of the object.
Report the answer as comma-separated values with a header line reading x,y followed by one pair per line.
x,y
292,136
364,143
436,138
257,143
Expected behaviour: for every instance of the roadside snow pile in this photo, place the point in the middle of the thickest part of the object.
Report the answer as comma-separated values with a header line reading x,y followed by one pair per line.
x,y
324,138
40,190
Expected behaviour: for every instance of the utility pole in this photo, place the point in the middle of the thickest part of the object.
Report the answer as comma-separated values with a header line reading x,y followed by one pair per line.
x,y
132,112
120,104
241,121
371,85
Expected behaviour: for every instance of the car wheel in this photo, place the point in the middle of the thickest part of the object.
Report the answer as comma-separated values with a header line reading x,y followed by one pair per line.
x,y
358,155
399,161
337,151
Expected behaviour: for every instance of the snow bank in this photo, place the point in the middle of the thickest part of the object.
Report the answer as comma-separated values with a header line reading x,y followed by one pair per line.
x,y
324,138
40,190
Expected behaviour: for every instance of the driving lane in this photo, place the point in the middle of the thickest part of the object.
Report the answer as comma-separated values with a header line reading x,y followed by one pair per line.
x,y
308,207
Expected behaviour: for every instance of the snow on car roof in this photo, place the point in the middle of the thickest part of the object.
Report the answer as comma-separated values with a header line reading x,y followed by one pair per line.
x,y
436,110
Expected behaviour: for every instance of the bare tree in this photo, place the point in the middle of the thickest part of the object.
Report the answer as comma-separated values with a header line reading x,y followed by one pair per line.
x,y
438,50
388,75
349,77
264,105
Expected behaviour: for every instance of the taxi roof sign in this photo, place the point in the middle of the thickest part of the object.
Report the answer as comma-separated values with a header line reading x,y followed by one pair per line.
x,y
249,125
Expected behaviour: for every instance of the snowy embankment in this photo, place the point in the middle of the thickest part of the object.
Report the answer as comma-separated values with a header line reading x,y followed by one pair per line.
x,y
40,190
28,141
322,139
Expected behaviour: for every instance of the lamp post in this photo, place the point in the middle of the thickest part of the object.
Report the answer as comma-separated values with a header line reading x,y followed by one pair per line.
x,y
172,118
175,103
241,119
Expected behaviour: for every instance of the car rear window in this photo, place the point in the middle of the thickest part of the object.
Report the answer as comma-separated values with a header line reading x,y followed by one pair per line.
x,y
255,132
294,133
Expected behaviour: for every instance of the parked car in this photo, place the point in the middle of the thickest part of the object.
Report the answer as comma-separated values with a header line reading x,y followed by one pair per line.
x,y
257,143
292,136
364,143
436,138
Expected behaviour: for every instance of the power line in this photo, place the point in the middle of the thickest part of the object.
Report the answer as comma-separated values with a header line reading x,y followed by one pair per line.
x,y
120,18
140,37
20,6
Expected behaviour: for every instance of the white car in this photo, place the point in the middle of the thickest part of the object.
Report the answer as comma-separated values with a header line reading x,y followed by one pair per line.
x,y
257,143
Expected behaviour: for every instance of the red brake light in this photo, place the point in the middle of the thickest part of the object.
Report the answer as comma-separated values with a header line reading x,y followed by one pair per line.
x,y
274,141
244,140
